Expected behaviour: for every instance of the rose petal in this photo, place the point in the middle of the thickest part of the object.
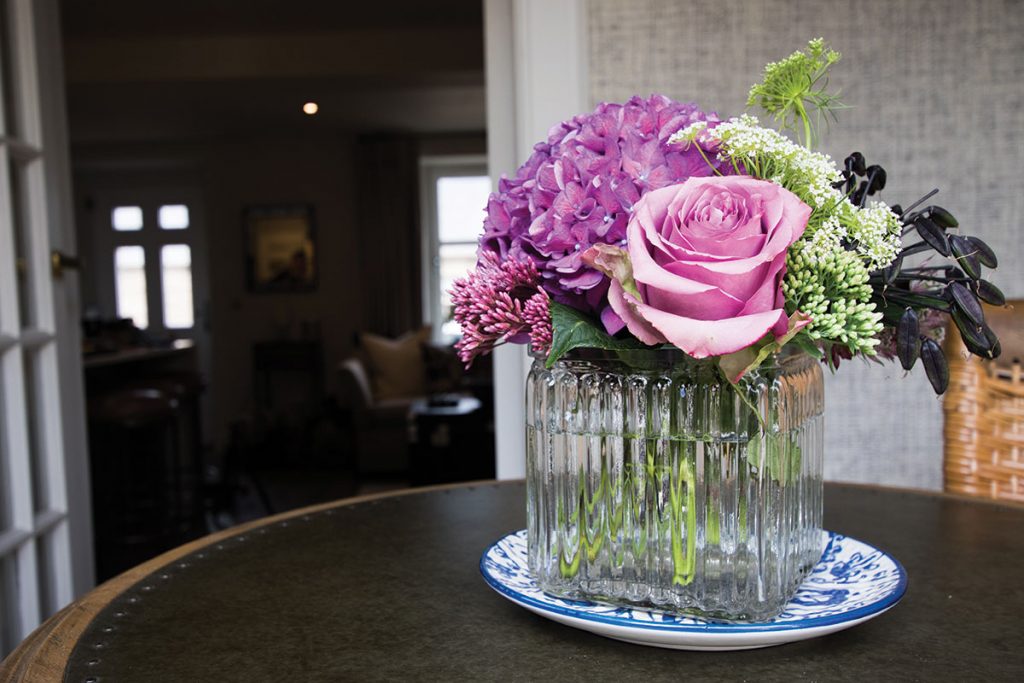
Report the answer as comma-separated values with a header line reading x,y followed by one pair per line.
x,y
767,296
705,338
613,324
625,308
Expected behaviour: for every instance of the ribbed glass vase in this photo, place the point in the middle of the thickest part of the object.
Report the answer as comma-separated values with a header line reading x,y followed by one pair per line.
x,y
651,481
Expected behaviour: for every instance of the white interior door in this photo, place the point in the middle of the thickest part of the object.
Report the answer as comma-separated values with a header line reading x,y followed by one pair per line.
x,y
45,534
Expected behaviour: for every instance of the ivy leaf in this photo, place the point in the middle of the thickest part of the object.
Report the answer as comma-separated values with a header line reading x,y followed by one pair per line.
x,y
572,329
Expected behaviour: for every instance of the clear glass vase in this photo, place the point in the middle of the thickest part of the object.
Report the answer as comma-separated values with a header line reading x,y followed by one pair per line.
x,y
652,481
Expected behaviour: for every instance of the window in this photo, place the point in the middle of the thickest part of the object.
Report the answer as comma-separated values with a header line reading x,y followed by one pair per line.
x,y
152,264
454,198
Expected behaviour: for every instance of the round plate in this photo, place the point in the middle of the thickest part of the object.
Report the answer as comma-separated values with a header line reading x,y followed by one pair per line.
x,y
853,582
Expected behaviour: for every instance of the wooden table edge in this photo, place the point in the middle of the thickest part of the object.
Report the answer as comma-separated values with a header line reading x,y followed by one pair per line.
x,y
43,655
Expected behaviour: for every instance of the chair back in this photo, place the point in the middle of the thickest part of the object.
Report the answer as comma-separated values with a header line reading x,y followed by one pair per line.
x,y
984,412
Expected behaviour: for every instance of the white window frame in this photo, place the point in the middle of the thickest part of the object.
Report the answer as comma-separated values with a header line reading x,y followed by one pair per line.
x,y
433,168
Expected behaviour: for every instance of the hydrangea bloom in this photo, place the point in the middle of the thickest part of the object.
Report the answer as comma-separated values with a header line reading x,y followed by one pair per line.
x,y
578,189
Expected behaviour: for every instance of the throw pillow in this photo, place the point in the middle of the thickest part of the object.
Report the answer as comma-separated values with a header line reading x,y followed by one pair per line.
x,y
396,365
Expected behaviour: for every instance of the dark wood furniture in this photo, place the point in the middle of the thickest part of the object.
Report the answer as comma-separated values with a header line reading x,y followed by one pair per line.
x,y
450,442
388,588
145,452
288,376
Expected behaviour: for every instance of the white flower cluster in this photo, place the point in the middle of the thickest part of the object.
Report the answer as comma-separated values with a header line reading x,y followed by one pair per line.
x,y
688,134
827,239
876,231
744,140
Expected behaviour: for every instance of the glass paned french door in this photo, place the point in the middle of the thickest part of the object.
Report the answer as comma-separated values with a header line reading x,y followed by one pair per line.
x,y
35,562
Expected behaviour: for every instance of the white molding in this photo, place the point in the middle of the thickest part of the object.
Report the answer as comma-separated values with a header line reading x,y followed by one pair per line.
x,y
447,160
431,168
536,68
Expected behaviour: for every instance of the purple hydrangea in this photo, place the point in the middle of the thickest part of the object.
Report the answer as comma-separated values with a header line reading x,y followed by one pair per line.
x,y
578,189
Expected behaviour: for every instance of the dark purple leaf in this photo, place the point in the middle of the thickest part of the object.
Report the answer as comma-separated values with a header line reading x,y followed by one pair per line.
x,y
941,216
908,338
876,179
963,251
984,252
855,162
935,365
966,302
990,294
932,234
996,348
972,334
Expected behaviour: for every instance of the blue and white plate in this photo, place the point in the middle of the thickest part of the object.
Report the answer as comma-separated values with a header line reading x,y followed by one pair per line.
x,y
853,582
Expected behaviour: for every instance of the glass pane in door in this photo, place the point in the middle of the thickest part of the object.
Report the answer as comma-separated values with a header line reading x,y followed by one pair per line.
x,y
7,603
5,502
21,244
7,99
172,217
130,285
176,278
126,218
35,454
44,558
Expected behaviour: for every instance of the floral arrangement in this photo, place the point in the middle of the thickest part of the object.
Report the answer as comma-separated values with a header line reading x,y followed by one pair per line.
x,y
653,223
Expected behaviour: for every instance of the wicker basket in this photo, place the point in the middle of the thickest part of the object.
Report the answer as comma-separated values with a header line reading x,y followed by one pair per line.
x,y
984,413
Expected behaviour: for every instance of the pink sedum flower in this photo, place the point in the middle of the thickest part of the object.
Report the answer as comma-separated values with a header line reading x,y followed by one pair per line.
x,y
501,301
708,256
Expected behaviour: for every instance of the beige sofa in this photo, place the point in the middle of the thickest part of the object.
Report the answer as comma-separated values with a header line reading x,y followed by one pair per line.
x,y
381,426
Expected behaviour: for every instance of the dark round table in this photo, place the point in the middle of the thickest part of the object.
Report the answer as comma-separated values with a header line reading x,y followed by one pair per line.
x,y
388,588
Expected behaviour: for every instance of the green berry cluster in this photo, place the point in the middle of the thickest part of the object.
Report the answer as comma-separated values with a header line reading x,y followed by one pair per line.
x,y
833,289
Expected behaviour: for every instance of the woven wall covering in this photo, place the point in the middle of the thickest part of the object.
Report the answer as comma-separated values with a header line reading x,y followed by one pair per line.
x,y
938,94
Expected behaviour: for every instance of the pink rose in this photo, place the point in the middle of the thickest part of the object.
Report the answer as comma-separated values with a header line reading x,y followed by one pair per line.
x,y
707,259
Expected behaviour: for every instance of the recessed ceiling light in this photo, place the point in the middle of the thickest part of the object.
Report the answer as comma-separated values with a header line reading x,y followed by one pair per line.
x,y
310,108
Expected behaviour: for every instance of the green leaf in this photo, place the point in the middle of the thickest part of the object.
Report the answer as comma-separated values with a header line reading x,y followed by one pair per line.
x,y
571,329
808,346
737,364
783,456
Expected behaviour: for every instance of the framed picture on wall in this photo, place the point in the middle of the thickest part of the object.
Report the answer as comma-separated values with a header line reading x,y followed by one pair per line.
x,y
280,244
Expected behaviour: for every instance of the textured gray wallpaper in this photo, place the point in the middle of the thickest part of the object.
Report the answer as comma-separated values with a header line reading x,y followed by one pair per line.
x,y
938,101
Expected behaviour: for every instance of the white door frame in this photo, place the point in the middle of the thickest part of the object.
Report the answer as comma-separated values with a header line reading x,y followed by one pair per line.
x,y
67,299
536,70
